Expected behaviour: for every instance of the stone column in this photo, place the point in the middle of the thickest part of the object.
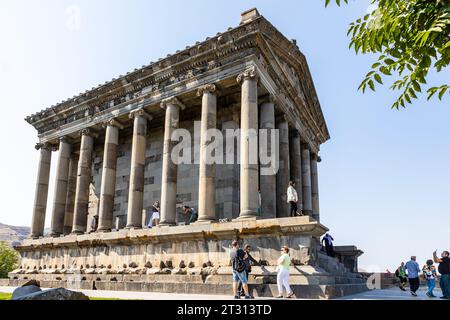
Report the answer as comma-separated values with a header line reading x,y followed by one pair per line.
x,y
70,198
170,167
283,176
296,165
249,144
61,182
84,177
306,174
207,178
268,183
315,186
136,192
108,189
41,194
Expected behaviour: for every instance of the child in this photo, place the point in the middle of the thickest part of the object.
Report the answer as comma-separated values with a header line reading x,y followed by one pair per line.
x,y
429,274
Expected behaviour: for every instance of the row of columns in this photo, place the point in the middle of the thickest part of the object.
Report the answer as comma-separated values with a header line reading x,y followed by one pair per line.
x,y
296,163
73,177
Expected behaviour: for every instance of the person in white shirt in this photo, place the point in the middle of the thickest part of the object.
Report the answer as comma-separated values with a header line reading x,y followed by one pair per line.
x,y
154,215
292,198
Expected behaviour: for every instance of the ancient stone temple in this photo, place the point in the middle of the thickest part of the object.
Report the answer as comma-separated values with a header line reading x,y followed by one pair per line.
x,y
115,148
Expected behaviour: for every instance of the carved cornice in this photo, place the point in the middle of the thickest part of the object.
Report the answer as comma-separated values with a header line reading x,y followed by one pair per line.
x,y
209,88
185,66
172,101
140,113
249,74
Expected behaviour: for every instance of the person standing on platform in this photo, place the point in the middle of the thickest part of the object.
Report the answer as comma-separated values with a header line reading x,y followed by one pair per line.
x,y
430,275
413,275
444,270
400,273
190,213
292,198
154,215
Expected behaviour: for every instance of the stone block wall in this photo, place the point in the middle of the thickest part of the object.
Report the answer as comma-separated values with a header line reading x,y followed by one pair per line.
x,y
227,188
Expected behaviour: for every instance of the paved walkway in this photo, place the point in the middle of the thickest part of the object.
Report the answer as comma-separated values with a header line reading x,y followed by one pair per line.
x,y
389,294
393,294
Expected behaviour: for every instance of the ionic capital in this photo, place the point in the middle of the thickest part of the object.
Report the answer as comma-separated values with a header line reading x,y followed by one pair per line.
x,y
209,88
249,74
316,157
140,113
113,123
45,146
172,101
271,98
88,132
65,139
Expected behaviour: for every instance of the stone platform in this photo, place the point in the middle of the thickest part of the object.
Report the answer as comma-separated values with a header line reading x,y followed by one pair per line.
x,y
186,259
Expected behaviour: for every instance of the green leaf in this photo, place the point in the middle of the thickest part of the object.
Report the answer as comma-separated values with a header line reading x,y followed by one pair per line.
x,y
378,78
442,92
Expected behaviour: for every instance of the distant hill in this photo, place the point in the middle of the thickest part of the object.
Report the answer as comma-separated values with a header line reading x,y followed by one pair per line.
x,y
13,235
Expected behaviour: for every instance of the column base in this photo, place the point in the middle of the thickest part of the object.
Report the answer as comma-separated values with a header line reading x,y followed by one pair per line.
x,y
56,235
104,230
77,233
133,228
247,215
167,224
308,213
204,221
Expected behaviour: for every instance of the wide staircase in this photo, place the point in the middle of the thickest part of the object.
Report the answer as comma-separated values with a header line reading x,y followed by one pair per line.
x,y
327,281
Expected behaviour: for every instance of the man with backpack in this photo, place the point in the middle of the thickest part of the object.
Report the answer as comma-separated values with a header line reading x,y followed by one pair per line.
x,y
238,257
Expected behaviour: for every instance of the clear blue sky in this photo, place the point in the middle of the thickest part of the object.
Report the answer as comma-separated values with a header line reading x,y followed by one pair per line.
x,y
385,175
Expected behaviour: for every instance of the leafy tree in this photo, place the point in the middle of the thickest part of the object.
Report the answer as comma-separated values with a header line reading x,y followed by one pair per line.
x,y
411,38
9,259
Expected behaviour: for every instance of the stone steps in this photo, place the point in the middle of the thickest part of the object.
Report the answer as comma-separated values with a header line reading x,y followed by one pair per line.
x,y
258,290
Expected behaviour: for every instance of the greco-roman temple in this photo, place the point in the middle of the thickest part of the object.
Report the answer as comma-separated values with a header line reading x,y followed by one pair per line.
x,y
114,161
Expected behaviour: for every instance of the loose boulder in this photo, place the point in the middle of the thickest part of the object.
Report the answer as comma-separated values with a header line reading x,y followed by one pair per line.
x,y
25,291
59,294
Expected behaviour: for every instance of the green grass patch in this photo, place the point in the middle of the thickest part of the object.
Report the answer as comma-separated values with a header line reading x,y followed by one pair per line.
x,y
8,296
5,296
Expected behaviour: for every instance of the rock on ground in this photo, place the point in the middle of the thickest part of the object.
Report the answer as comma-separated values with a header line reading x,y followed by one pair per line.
x,y
53,294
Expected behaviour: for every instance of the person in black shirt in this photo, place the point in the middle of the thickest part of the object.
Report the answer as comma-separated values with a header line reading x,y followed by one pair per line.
x,y
249,262
238,256
444,270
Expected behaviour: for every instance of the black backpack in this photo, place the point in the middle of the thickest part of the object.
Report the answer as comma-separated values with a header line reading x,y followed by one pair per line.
x,y
239,264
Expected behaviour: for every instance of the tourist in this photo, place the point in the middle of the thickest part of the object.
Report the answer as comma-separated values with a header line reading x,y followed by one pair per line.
x,y
154,215
400,273
94,223
413,275
249,262
429,274
292,198
444,270
284,263
238,256
327,242
190,213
